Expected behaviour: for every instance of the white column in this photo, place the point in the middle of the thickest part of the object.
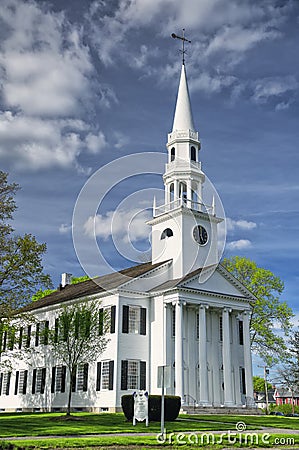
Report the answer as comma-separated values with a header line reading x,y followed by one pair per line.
x,y
247,354
199,195
167,194
178,350
176,190
227,365
189,194
203,369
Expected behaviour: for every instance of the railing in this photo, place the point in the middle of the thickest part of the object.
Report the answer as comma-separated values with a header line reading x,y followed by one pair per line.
x,y
183,134
250,402
185,203
181,164
187,399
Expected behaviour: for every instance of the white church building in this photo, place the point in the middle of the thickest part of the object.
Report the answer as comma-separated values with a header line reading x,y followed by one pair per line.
x,y
181,309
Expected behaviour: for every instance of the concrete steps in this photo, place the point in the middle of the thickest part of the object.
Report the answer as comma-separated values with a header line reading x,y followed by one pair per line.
x,y
218,410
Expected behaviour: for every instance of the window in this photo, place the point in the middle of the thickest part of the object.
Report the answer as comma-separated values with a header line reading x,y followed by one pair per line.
x,y
171,190
183,191
21,382
58,379
133,374
241,333
80,378
193,153
220,329
5,383
27,337
105,372
38,380
134,320
4,340
21,331
242,381
42,333
166,233
107,320
11,339
172,154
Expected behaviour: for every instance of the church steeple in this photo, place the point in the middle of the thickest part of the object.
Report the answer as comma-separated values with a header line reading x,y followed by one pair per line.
x,y
183,118
184,229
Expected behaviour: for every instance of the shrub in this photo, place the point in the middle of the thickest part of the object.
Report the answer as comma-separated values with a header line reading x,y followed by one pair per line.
x,y
172,406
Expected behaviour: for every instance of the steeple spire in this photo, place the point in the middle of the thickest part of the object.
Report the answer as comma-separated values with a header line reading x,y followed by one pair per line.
x,y
183,119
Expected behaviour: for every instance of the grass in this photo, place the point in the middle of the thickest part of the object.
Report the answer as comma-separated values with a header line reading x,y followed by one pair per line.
x,y
139,442
64,432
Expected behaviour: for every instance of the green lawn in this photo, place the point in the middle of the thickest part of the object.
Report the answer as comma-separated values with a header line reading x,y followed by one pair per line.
x,y
21,424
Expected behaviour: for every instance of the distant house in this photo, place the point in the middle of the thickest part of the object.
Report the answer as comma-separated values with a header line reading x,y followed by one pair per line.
x,y
284,396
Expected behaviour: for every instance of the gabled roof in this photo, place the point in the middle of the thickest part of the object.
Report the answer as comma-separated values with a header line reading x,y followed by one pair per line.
x,y
183,282
90,287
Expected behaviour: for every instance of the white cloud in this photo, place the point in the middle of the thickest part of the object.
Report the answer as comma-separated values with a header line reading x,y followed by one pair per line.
x,y
232,224
46,67
34,143
95,143
123,225
241,244
211,84
64,228
121,140
272,87
47,80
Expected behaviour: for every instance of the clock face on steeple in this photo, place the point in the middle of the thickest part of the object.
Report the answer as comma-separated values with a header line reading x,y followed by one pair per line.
x,y
200,235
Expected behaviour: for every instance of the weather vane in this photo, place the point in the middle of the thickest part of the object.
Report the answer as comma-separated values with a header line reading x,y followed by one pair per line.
x,y
184,40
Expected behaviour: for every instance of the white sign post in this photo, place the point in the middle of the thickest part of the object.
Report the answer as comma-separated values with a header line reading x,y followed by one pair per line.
x,y
164,375
140,407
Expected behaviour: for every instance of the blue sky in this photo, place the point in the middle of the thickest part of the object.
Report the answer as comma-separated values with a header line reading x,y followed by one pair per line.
x,y
85,83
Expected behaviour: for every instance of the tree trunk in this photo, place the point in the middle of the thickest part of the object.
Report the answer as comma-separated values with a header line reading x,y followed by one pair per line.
x,y
68,410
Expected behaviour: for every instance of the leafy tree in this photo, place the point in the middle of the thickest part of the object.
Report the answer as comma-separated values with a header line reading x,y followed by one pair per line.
x,y
21,270
294,354
259,384
288,380
268,310
44,292
77,339
76,280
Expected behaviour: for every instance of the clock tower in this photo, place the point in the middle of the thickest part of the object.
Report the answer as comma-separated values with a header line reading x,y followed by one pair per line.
x,y
184,229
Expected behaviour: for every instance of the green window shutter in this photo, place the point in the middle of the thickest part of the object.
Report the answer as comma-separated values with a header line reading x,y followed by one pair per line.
x,y
21,337
25,382
73,379
63,376
37,335
8,383
99,371
46,333
112,322
17,382
53,379
33,381
142,373
43,383
125,327
124,375
28,337
111,375
85,377
101,322
143,321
